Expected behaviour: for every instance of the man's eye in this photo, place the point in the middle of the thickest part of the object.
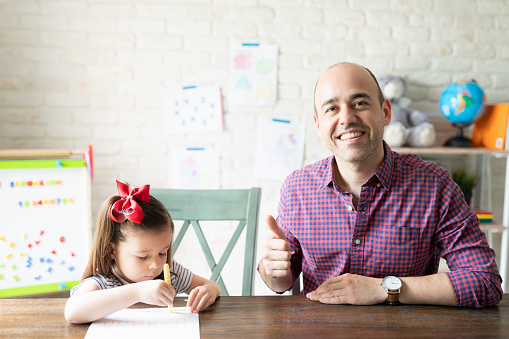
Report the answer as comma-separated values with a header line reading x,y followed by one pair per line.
x,y
360,103
330,109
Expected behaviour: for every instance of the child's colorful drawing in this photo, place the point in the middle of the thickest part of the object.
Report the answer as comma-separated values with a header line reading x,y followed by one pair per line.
x,y
196,168
279,148
253,74
193,110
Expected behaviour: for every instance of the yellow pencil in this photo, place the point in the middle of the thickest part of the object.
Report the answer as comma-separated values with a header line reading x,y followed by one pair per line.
x,y
167,278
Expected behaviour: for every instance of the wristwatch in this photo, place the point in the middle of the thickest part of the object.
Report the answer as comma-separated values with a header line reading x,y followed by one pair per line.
x,y
392,286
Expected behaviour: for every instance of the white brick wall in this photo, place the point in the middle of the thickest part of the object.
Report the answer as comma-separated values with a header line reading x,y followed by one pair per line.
x,y
79,72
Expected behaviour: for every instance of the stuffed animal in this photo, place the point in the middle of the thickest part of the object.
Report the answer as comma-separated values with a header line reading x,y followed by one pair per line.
x,y
407,127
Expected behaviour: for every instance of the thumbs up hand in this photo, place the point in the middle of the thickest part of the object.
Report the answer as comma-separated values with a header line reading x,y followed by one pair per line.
x,y
277,233
276,252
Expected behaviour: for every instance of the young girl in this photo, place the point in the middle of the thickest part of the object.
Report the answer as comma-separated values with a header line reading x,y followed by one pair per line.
x,y
132,242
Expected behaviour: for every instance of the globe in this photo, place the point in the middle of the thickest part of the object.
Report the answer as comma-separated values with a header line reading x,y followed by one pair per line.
x,y
462,102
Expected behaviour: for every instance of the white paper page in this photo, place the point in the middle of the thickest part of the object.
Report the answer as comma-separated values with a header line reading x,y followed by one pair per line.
x,y
279,148
253,74
147,323
193,110
196,168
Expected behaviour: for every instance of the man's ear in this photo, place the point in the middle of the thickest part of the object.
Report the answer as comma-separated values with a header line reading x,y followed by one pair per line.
x,y
386,108
317,123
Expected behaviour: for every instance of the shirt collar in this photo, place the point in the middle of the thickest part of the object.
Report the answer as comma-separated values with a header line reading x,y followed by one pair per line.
x,y
383,173
329,178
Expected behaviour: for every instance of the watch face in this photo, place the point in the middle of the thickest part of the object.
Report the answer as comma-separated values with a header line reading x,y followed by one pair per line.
x,y
392,283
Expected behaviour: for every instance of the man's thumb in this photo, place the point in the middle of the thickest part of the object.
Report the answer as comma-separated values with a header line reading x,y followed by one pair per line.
x,y
274,228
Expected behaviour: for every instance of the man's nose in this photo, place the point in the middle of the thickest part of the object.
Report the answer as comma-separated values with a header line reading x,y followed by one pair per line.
x,y
347,115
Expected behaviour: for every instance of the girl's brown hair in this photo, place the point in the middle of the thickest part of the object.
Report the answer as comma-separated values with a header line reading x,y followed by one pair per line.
x,y
155,219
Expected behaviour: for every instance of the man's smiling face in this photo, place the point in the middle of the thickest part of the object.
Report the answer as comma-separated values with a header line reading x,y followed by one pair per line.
x,y
349,117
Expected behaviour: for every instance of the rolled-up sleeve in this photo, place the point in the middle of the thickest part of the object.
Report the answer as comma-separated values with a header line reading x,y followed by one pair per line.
x,y
473,270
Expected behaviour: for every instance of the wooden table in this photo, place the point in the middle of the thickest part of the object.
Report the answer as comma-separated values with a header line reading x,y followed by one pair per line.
x,y
283,317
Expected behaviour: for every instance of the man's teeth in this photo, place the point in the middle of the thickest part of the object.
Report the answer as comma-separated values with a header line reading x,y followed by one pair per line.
x,y
350,135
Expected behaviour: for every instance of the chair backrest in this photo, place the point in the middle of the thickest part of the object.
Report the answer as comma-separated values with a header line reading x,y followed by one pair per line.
x,y
193,206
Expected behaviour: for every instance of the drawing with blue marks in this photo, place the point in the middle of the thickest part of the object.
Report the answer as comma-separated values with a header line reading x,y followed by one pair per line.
x,y
193,109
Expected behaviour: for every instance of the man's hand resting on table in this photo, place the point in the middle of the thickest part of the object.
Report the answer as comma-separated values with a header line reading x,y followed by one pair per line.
x,y
350,289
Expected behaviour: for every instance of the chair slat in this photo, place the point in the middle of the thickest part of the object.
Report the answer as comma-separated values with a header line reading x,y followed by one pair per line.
x,y
181,234
193,206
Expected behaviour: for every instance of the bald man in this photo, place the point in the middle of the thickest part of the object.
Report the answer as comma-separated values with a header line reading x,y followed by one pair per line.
x,y
368,225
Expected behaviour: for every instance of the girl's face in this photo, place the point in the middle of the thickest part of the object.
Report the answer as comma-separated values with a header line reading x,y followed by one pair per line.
x,y
142,255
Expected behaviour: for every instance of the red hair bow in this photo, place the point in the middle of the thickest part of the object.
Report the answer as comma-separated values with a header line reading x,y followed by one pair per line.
x,y
127,207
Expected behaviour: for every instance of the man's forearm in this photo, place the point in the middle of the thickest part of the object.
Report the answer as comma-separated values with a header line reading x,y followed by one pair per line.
x,y
435,289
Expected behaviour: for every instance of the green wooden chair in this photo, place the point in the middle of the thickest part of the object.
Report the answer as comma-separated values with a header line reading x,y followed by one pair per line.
x,y
194,206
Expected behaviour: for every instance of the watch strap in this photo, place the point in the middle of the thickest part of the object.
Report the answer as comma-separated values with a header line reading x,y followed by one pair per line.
x,y
392,297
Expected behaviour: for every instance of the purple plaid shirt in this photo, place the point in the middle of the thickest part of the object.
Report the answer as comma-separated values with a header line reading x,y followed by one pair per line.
x,y
410,213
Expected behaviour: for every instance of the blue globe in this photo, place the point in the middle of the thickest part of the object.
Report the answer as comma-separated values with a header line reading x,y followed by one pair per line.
x,y
462,102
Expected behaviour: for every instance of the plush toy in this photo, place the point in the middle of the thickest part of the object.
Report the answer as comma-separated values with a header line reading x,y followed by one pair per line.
x,y
408,127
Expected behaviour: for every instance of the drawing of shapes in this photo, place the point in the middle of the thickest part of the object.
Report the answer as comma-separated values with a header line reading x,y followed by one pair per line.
x,y
264,90
244,83
264,66
243,61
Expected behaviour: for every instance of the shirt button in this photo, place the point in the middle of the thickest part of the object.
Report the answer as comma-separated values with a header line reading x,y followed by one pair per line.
x,y
378,184
350,208
357,241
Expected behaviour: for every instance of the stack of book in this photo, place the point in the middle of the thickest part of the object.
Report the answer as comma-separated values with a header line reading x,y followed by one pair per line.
x,y
484,217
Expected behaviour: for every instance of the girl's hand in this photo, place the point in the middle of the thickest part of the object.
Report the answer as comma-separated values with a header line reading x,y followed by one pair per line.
x,y
202,297
155,292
